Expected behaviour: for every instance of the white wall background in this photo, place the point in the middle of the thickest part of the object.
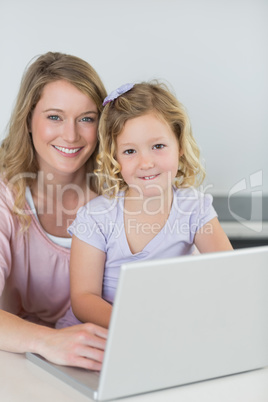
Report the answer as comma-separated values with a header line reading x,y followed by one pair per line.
x,y
214,53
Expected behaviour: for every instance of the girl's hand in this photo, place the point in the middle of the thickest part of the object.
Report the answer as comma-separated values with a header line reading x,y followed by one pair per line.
x,y
80,346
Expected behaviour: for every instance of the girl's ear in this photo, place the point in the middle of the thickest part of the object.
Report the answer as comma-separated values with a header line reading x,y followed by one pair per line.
x,y
180,147
180,151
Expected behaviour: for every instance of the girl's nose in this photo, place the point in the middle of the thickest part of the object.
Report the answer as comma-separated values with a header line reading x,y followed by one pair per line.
x,y
146,161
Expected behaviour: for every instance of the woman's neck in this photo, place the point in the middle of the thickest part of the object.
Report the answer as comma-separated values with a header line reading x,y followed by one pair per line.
x,y
45,178
58,198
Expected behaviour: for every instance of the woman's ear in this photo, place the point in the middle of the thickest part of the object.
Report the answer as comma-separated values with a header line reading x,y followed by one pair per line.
x,y
29,122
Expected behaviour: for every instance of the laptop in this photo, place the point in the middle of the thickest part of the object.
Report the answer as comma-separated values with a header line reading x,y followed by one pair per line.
x,y
178,321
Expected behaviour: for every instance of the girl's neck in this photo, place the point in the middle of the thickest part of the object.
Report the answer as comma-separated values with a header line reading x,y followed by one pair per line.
x,y
139,204
144,219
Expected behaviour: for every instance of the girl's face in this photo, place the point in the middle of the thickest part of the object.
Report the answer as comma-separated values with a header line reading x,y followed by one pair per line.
x,y
64,128
148,153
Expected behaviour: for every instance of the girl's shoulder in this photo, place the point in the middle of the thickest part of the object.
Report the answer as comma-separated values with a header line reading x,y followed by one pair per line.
x,y
190,197
101,201
101,206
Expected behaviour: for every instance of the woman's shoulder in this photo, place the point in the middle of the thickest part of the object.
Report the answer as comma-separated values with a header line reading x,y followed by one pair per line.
x,y
3,183
9,222
6,194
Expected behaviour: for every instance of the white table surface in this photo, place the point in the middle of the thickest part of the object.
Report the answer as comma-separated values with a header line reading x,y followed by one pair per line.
x,y
23,381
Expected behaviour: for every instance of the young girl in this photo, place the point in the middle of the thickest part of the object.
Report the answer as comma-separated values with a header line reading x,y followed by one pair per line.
x,y
148,169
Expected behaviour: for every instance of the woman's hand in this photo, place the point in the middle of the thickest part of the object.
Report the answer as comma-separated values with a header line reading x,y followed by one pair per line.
x,y
80,346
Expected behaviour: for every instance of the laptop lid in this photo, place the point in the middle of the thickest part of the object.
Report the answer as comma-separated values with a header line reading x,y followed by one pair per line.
x,y
182,320
186,319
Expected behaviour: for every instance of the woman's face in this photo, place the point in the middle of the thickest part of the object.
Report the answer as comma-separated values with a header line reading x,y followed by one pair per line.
x,y
64,128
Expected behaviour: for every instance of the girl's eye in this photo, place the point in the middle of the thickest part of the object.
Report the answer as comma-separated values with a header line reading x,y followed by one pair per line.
x,y
158,146
54,117
129,151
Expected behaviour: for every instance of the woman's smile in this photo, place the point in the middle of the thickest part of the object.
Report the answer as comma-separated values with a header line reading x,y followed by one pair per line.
x,y
69,152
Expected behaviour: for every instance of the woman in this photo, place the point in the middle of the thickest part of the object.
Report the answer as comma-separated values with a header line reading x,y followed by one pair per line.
x,y
46,162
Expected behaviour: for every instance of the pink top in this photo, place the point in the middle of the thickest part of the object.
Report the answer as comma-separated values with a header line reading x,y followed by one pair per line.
x,y
34,271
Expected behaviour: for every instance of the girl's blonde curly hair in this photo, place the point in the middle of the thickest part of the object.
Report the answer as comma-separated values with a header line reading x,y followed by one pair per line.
x,y
144,98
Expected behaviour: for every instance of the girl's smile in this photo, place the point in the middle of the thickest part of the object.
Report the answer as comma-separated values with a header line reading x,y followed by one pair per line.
x,y
149,177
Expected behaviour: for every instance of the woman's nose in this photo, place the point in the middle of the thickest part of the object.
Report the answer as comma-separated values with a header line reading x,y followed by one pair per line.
x,y
70,133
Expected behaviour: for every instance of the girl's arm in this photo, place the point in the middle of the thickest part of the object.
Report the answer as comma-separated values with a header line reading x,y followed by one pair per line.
x,y
80,345
86,276
211,237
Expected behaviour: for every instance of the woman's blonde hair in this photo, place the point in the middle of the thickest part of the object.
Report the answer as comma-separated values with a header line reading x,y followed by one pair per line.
x,y
144,98
18,163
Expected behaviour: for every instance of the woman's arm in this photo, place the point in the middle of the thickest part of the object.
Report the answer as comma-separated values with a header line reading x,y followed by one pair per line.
x,y
81,345
86,275
211,237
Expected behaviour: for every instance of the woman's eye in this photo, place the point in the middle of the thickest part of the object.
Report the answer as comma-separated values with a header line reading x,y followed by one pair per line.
x,y
87,119
129,151
54,117
158,146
